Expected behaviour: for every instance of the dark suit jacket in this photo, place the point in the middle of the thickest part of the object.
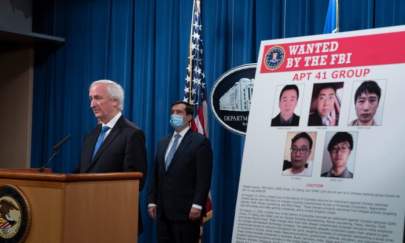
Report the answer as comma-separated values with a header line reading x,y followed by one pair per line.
x,y
276,121
315,120
122,150
186,181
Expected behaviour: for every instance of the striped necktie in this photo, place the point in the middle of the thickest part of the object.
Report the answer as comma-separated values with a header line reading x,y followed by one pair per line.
x,y
172,150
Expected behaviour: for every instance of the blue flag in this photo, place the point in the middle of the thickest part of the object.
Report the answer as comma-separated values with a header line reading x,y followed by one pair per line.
x,y
330,20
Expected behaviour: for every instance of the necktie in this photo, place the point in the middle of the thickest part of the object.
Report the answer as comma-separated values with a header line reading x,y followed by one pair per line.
x,y
100,139
172,150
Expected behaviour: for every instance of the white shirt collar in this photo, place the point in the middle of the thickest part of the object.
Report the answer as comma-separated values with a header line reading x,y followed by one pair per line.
x,y
113,121
183,132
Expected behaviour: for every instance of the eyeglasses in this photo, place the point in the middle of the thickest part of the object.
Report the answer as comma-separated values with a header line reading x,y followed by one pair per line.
x,y
343,148
300,150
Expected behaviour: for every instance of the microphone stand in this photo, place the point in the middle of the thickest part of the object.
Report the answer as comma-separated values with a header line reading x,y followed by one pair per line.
x,y
55,151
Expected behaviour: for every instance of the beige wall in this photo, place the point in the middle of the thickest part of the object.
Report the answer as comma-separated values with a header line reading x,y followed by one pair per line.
x,y
16,81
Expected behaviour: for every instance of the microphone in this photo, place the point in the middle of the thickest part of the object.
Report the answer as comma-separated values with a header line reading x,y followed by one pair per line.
x,y
55,151
61,142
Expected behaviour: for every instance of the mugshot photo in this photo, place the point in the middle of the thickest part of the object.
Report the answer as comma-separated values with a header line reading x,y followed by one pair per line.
x,y
366,108
287,105
325,104
299,154
339,154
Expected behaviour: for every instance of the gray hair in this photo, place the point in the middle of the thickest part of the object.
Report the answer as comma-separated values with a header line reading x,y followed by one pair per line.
x,y
114,89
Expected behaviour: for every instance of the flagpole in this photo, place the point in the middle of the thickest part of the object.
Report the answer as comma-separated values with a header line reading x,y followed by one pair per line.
x,y
196,69
337,16
190,56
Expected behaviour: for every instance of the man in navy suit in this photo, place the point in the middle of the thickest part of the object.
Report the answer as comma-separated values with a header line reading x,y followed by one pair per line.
x,y
115,144
181,180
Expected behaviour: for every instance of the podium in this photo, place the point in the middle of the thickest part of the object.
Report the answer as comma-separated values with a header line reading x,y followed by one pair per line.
x,y
78,208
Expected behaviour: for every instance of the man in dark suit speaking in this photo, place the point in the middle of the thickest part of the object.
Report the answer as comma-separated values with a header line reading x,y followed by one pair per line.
x,y
181,180
116,144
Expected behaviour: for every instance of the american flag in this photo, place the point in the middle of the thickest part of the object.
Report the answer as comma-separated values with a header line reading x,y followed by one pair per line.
x,y
194,90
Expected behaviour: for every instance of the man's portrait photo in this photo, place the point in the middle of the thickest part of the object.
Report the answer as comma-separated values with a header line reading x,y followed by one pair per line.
x,y
367,99
299,153
325,104
339,154
287,104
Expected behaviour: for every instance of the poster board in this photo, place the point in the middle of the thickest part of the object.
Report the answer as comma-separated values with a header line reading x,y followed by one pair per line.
x,y
356,131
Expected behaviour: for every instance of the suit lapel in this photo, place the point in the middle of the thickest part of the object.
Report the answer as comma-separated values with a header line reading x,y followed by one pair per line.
x,y
90,144
182,147
108,140
162,152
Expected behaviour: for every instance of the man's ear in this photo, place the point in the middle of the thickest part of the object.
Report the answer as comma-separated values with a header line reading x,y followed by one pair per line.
x,y
189,117
116,103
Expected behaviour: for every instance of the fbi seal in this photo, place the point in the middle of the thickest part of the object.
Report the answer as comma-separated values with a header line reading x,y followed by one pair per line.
x,y
274,57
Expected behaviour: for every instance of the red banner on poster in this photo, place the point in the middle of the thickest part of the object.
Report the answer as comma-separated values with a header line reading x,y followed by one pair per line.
x,y
334,53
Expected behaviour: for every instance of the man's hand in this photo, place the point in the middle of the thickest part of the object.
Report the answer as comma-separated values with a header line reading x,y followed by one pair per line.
x,y
332,118
333,114
152,212
194,214
336,104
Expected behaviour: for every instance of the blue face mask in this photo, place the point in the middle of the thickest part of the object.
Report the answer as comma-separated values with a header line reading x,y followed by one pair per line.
x,y
176,121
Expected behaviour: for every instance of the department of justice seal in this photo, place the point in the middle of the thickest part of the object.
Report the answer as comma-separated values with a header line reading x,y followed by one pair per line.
x,y
274,57
231,97
14,215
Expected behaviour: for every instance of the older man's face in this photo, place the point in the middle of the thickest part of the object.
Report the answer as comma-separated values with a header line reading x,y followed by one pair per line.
x,y
103,105
366,107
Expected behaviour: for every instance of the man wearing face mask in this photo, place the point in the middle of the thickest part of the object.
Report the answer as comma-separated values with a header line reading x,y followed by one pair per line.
x,y
181,179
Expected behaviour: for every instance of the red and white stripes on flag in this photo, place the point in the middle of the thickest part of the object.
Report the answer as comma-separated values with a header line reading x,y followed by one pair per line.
x,y
199,122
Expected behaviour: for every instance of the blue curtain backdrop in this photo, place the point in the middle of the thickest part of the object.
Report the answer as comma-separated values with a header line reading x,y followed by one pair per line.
x,y
143,45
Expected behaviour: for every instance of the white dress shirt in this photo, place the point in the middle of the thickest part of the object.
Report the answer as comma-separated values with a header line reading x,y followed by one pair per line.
x,y
111,123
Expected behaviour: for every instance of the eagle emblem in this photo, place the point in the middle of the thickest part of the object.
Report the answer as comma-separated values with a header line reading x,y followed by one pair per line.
x,y
14,216
7,219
